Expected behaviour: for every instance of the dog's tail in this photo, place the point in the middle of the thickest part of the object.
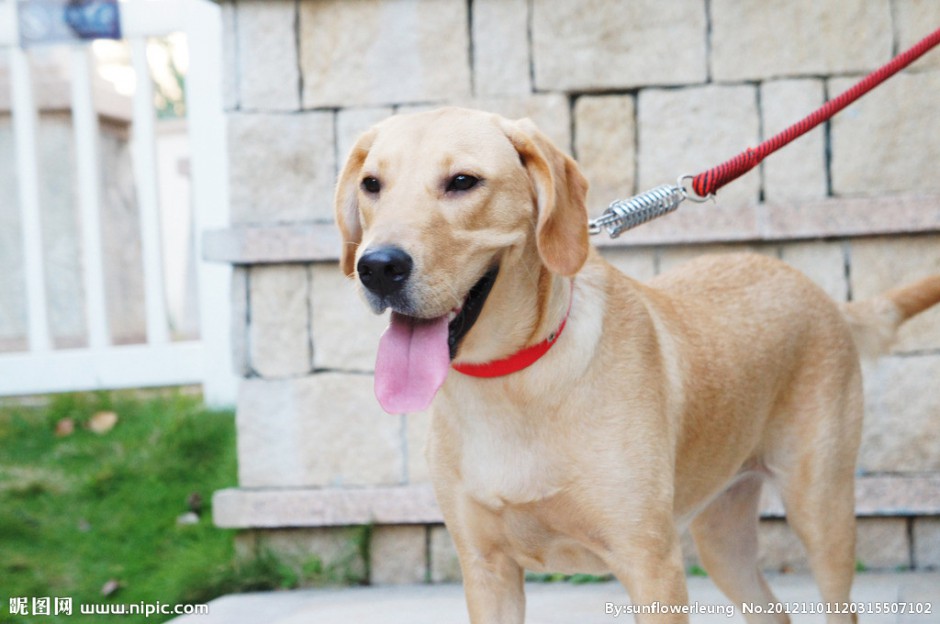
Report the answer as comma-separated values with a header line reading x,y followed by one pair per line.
x,y
874,322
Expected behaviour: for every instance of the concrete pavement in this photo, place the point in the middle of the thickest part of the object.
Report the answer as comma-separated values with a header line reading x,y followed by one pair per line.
x,y
562,603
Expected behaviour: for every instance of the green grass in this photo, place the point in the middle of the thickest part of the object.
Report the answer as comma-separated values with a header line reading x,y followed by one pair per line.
x,y
696,570
574,579
80,510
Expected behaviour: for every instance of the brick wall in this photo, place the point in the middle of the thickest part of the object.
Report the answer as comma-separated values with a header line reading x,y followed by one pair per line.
x,y
639,93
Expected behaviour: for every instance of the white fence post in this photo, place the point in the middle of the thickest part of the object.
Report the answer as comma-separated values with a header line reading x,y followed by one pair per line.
x,y
25,121
144,150
88,169
210,193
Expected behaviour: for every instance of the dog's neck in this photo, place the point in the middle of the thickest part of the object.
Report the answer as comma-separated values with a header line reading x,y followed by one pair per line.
x,y
524,308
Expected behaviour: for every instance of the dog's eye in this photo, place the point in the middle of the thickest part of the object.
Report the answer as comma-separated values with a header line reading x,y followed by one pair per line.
x,y
371,185
462,182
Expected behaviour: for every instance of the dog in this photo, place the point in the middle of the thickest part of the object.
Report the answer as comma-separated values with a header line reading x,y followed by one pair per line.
x,y
581,420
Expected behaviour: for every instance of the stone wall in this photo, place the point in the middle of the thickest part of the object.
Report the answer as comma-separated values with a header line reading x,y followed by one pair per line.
x,y
639,93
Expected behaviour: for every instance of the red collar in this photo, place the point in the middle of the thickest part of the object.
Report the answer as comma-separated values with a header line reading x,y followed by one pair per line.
x,y
520,359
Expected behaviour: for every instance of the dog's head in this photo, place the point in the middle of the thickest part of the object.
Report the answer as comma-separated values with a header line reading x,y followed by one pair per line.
x,y
433,206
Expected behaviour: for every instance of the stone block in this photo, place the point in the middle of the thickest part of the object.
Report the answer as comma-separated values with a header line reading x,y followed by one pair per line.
x,y
636,262
842,217
880,264
278,332
418,428
383,52
501,65
605,146
588,46
246,544
405,109
926,537
268,76
899,494
399,555
685,131
822,262
322,430
281,167
882,543
798,171
279,243
345,330
885,142
900,433
755,40
239,322
445,565
914,20
336,549
278,507
350,123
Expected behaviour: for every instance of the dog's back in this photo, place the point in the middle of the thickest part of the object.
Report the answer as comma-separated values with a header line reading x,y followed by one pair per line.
x,y
726,286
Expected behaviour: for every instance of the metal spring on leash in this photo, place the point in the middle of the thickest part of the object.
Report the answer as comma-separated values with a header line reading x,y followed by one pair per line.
x,y
624,214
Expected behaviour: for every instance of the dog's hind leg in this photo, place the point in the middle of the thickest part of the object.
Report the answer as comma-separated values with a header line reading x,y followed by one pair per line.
x,y
725,535
817,483
824,520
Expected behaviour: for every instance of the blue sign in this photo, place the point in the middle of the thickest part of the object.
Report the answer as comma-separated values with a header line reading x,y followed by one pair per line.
x,y
59,21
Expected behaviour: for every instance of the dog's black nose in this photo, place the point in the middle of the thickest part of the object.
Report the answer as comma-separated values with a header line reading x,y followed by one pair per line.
x,y
385,270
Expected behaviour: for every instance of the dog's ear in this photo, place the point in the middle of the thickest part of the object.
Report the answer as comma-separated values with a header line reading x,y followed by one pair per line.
x,y
561,191
346,202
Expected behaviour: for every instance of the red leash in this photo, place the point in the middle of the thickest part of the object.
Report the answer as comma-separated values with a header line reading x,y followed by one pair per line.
x,y
624,214
710,181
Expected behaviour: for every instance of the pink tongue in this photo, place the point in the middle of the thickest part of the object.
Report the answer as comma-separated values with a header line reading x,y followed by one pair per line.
x,y
411,364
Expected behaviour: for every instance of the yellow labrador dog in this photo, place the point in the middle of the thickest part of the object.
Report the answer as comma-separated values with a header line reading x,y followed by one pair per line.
x,y
581,419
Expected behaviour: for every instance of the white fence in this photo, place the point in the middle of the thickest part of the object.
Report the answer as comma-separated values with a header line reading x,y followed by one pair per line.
x,y
159,361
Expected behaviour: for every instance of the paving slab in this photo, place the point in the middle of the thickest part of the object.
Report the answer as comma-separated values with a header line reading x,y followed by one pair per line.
x,y
563,603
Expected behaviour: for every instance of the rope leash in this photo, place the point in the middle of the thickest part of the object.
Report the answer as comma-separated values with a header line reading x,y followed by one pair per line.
x,y
626,214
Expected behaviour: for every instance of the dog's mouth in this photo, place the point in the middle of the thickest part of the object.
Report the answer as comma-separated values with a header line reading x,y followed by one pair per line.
x,y
414,354
468,313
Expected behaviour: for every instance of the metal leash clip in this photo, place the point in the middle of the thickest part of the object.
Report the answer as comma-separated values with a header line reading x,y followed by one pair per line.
x,y
625,214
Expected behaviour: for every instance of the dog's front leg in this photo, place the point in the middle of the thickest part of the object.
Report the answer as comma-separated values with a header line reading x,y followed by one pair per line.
x,y
494,588
493,582
649,564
